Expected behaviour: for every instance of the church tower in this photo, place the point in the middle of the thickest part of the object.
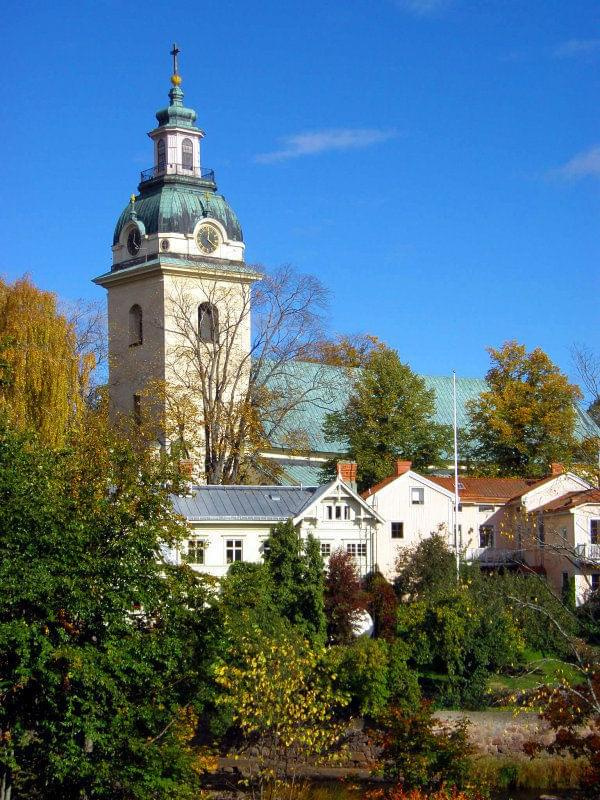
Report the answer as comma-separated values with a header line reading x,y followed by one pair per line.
x,y
178,289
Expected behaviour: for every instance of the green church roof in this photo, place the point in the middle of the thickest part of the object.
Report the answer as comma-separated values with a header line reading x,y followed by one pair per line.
x,y
327,388
170,204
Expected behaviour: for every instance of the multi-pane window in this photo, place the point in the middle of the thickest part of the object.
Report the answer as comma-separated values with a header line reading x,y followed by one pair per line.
x,y
397,530
486,536
187,154
417,496
595,531
337,512
486,508
233,550
325,549
357,549
196,550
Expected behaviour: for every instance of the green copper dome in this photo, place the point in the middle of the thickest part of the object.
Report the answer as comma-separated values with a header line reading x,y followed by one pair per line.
x,y
176,115
168,205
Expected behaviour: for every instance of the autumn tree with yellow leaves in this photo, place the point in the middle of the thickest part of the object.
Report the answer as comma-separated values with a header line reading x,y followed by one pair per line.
x,y
282,698
43,376
526,418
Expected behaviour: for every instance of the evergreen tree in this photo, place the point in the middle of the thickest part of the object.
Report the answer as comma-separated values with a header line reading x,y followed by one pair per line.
x,y
389,415
297,579
526,419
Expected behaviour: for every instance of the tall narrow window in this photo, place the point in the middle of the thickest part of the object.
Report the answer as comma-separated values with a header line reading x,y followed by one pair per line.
x,y
595,531
208,323
486,536
187,154
541,532
161,155
135,326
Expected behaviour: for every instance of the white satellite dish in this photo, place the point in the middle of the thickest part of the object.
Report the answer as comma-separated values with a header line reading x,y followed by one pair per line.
x,y
363,624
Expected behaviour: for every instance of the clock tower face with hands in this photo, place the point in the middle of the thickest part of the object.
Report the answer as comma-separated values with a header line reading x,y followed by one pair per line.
x,y
178,273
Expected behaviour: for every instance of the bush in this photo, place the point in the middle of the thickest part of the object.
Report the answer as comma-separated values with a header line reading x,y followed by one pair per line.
x,y
420,753
382,605
403,681
362,670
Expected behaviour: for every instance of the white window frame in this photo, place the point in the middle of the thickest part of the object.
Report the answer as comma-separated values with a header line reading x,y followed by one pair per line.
x,y
357,549
235,546
325,549
419,492
200,545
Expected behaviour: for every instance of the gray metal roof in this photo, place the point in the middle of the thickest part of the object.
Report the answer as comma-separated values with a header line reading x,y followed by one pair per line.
x,y
245,503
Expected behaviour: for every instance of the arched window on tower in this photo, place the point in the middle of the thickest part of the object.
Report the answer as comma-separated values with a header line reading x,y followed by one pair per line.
x,y
161,155
208,323
187,154
135,325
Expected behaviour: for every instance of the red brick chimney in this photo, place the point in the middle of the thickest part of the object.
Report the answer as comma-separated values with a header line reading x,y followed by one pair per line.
x,y
402,467
347,472
556,468
186,468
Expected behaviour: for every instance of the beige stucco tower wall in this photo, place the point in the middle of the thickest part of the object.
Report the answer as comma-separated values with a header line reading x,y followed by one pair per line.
x,y
178,288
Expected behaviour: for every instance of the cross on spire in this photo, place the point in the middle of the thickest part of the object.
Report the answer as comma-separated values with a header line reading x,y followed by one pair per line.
x,y
175,52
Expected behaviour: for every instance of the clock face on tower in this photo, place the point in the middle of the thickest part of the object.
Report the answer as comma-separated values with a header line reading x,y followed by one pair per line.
x,y
208,238
134,241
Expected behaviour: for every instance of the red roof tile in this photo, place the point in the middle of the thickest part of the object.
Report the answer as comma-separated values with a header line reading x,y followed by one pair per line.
x,y
378,486
485,490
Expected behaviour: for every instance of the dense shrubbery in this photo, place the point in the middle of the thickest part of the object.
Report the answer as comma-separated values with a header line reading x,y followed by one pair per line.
x,y
108,656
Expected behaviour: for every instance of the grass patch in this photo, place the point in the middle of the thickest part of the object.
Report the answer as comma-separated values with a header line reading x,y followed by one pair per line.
x,y
544,772
536,670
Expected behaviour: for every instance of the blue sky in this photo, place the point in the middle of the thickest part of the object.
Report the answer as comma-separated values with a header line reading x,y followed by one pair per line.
x,y
435,162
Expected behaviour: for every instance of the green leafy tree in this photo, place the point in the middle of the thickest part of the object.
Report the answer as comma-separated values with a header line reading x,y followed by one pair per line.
x,y
419,752
296,570
362,673
455,638
105,652
426,569
526,419
282,697
389,415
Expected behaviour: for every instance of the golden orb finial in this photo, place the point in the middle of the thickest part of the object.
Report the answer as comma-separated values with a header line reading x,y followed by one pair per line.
x,y
132,199
175,80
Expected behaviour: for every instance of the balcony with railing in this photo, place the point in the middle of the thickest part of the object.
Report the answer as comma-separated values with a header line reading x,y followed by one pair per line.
x,y
159,170
589,553
493,556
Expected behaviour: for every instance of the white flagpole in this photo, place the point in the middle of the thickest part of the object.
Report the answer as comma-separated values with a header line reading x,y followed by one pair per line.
x,y
457,536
